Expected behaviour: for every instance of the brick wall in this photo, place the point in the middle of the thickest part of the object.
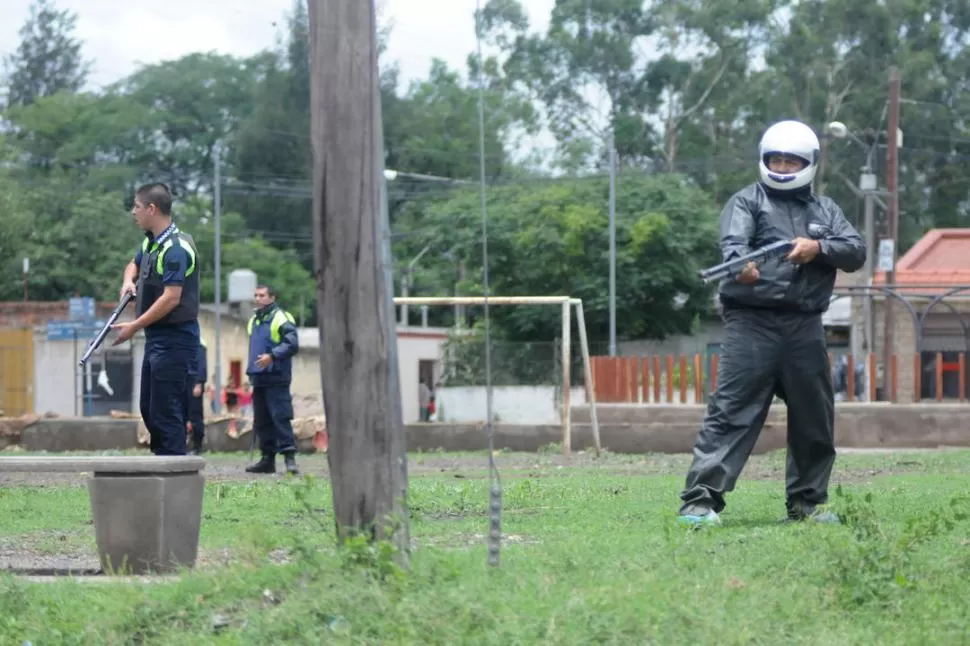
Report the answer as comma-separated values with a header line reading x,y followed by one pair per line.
x,y
38,313
904,343
904,340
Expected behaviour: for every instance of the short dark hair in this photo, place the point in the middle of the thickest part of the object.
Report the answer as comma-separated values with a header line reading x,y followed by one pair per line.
x,y
269,290
157,194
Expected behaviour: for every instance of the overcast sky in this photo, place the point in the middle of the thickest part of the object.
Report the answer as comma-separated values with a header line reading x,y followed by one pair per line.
x,y
119,34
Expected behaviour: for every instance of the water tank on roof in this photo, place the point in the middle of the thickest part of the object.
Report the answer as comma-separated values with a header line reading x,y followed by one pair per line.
x,y
242,284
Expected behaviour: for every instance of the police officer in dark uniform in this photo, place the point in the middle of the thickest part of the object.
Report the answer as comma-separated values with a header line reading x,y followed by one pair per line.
x,y
164,276
774,340
273,341
196,405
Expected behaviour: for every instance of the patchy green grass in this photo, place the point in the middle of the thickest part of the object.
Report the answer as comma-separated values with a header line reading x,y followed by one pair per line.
x,y
591,555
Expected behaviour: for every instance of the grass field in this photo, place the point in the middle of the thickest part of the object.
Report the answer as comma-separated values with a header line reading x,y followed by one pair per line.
x,y
592,556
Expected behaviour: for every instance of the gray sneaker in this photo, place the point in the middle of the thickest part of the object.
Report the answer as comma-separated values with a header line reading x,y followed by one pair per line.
x,y
698,515
799,513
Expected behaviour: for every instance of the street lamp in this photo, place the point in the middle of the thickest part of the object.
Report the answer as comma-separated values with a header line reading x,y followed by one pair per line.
x,y
612,235
391,175
868,190
840,131
406,281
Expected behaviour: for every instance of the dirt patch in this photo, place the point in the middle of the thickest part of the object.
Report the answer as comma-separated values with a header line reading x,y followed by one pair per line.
x,y
464,541
32,553
27,555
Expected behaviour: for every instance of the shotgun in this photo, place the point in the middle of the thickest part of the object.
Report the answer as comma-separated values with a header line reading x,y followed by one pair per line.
x,y
96,342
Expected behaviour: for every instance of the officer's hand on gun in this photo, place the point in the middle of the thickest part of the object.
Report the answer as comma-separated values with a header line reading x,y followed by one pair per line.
x,y
128,287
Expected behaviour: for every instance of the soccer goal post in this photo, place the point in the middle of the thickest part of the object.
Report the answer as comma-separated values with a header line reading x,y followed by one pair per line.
x,y
566,303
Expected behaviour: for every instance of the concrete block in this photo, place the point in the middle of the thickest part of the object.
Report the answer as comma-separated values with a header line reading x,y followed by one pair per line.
x,y
80,434
147,510
217,439
643,437
147,523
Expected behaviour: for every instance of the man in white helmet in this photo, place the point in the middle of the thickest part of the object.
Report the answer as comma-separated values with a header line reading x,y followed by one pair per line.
x,y
774,341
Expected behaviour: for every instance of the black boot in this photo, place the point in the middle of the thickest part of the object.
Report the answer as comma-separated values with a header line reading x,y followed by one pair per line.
x,y
266,464
196,447
290,460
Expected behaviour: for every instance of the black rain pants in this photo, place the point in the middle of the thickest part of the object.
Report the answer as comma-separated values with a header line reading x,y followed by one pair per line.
x,y
767,353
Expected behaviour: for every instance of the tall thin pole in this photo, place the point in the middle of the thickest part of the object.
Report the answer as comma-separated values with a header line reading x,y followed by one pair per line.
x,y
217,208
869,221
612,157
892,220
494,542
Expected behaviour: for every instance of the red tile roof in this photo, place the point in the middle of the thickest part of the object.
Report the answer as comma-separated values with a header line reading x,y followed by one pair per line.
x,y
941,259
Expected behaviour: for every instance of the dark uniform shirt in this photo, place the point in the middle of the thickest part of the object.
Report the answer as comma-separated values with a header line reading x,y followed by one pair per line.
x,y
178,260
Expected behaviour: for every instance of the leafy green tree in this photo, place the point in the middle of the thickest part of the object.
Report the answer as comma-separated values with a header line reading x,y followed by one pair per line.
x,y
48,59
189,105
99,140
583,72
240,250
437,132
551,238
833,61
77,241
15,226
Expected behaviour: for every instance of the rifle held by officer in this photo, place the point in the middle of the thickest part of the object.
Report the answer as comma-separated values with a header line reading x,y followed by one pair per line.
x,y
96,342
737,265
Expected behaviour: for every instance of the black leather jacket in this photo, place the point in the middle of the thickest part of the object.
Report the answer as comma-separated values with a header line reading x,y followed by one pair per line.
x,y
756,216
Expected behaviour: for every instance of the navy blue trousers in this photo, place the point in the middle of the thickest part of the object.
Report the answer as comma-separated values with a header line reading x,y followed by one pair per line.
x,y
272,419
164,382
196,412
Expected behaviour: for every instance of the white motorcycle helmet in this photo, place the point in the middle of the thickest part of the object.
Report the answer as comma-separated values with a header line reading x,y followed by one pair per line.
x,y
789,138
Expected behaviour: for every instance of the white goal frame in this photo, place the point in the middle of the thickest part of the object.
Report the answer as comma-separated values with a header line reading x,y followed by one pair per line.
x,y
565,302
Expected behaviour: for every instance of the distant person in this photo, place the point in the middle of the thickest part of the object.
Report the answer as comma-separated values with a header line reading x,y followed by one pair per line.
x,y
196,405
433,406
246,400
840,379
273,342
424,401
230,399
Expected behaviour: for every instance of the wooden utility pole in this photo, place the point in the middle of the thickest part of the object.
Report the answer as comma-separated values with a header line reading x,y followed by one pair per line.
x,y
358,338
892,223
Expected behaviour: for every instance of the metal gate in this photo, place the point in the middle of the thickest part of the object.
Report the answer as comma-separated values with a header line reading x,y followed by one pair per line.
x,y
16,371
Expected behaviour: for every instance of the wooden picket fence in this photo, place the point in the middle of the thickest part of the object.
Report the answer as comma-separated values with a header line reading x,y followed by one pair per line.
x,y
686,379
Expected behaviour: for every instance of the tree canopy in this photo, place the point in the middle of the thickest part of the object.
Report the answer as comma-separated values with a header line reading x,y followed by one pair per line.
x,y
681,88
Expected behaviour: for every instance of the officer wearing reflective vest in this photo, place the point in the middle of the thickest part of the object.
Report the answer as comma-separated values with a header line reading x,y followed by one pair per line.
x,y
200,369
164,277
273,341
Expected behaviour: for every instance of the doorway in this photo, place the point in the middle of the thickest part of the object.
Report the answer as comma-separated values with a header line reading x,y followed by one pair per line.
x,y
235,373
